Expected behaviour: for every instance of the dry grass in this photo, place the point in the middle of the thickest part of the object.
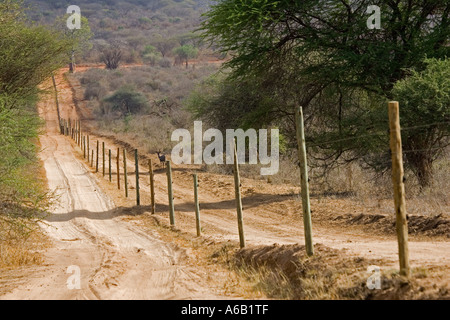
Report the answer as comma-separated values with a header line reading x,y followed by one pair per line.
x,y
18,250
286,272
21,239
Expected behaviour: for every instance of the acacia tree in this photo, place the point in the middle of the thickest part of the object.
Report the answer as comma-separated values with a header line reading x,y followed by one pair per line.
x,y
323,56
79,38
28,54
186,52
425,100
164,45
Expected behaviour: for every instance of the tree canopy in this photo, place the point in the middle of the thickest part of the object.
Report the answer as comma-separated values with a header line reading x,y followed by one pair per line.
x,y
323,56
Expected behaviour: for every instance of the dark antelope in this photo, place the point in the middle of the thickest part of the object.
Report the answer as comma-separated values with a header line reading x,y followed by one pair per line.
x,y
162,158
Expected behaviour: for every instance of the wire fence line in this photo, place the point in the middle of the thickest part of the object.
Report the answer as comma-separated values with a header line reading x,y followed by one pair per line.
x,y
379,133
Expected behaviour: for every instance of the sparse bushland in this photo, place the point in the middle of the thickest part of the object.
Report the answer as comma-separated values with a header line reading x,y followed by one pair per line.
x,y
137,25
142,105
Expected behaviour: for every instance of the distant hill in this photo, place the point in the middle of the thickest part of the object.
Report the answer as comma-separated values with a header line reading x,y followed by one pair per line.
x,y
136,23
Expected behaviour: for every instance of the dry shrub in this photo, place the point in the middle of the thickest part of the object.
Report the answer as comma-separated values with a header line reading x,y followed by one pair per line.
x,y
17,246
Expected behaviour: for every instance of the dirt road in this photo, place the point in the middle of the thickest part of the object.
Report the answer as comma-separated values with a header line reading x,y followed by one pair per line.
x,y
121,260
114,259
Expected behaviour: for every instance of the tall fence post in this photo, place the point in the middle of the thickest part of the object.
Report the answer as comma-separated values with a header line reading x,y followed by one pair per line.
x,y
84,147
125,174
79,132
152,184
103,158
92,158
197,206
109,159
304,181
170,193
136,161
88,148
57,103
237,189
399,187
98,147
118,168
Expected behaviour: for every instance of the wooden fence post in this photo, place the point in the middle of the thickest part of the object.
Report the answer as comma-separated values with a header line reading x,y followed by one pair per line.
x,y
152,185
98,147
79,132
84,147
125,174
103,158
304,181
57,103
197,206
118,168
237,189
109,159
88,148
399,187
170,194
136,161
92,158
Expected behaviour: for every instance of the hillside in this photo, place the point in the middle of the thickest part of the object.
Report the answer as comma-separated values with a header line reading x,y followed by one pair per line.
x,y
133,23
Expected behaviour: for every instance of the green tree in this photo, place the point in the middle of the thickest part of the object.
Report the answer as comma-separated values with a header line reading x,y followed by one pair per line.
x,y
186,52
125,101
164,45
28,54
79,38
425,112
322,55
